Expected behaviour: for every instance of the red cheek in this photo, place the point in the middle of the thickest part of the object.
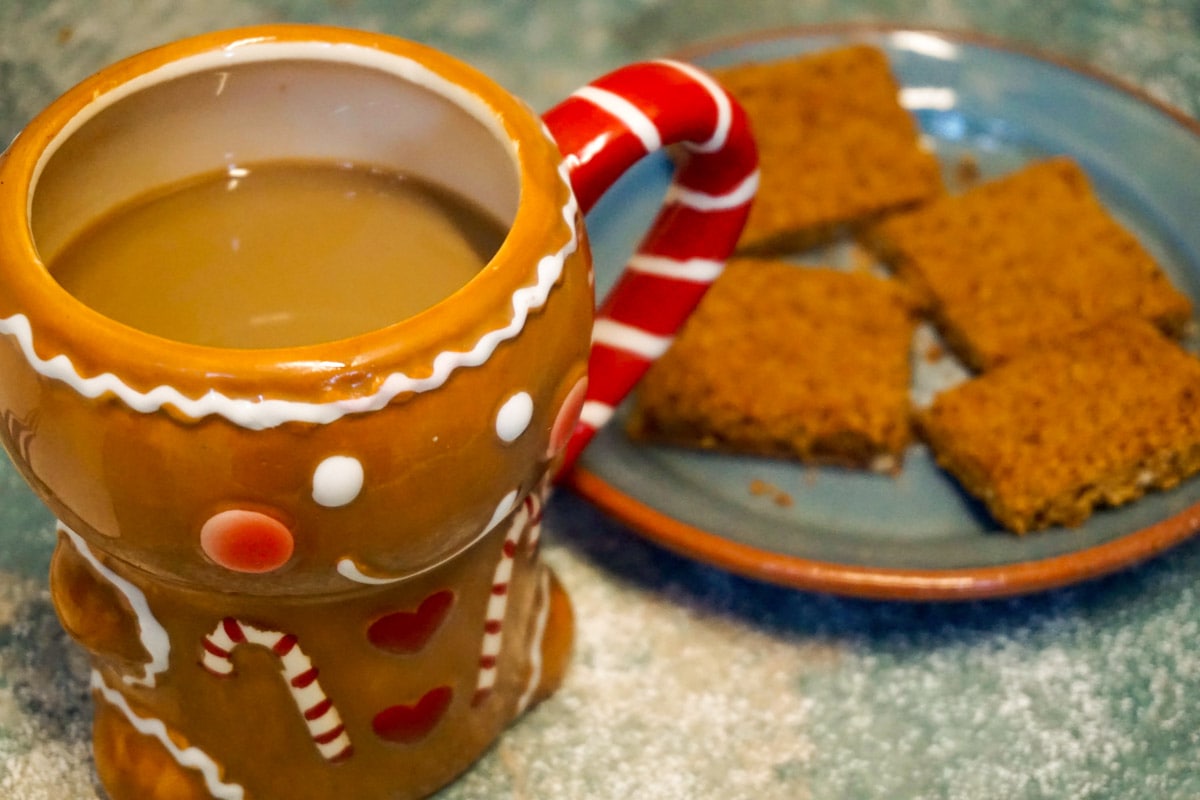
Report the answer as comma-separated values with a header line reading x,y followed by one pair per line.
x,y
246,541
568,415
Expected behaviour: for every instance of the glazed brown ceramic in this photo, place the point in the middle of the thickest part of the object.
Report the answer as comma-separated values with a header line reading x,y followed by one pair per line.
x,y
313,572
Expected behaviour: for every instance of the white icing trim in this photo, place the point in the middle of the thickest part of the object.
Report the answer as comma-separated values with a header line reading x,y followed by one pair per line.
x,y
539,634
191,757
154,637
263,412
349,570
503,509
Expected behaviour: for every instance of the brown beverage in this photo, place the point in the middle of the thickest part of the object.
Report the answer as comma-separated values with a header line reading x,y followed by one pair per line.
x,y
278,255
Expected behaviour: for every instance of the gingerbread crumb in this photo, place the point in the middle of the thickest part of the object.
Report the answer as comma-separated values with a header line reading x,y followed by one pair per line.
x,y
966,171
760,488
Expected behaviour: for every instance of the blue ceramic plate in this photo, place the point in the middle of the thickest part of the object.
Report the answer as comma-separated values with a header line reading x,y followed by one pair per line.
x,y
916,535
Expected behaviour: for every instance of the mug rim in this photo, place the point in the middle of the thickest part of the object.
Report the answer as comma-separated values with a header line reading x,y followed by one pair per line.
x,y
49,322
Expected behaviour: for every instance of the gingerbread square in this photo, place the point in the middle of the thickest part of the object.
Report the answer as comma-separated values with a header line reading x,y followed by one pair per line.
x,y
1019,260
835,145
1097,418
782,360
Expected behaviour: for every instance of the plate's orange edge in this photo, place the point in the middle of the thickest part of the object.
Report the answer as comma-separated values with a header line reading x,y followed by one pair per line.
x,y
887,583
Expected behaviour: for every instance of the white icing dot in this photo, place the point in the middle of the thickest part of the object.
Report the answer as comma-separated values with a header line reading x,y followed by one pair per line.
x,y
514,416
337,480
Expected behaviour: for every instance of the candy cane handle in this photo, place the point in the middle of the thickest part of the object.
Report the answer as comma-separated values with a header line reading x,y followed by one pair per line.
x,y
602,130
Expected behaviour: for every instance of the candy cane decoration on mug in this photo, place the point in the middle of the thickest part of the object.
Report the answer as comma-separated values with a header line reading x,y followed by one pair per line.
x,y
529,516
603,129
323,721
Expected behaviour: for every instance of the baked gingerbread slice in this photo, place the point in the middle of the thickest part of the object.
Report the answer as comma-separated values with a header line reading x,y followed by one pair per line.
x,y
836,148
781,360
1019,260
1096,419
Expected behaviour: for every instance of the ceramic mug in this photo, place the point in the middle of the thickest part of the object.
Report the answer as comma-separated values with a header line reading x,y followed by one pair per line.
x,y
313,571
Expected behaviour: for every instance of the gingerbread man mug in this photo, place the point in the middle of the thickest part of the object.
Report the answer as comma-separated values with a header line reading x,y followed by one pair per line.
x,y
310,569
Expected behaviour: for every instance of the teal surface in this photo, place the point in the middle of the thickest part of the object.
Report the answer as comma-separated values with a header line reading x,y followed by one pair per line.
x,y
689,682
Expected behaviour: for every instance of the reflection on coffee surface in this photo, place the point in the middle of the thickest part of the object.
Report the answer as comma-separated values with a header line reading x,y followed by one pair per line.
x,y
278,254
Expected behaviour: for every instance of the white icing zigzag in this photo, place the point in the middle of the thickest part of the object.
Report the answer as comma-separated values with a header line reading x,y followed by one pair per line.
x,y
153,635
350,570
264,412
190,757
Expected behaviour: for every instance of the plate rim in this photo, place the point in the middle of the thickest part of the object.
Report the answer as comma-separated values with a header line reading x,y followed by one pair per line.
x,y
890,583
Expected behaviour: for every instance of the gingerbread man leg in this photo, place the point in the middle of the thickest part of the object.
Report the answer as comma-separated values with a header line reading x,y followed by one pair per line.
x,y
131,763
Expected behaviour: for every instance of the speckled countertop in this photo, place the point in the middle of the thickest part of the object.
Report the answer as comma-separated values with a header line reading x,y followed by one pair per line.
x,y
689,682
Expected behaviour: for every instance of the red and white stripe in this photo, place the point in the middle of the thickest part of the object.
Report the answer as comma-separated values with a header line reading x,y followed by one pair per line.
x,y
322,718
528,516
602,130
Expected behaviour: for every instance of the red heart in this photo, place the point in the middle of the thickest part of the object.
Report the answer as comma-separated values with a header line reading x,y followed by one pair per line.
x,y
404,724
409,631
